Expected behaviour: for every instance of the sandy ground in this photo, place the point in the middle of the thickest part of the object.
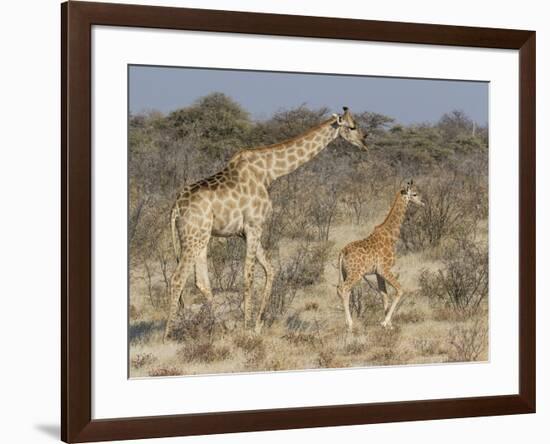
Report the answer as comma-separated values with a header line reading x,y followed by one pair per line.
x,y
311,334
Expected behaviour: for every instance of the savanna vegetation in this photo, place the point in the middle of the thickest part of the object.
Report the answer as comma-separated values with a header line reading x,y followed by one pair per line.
x,y
337,197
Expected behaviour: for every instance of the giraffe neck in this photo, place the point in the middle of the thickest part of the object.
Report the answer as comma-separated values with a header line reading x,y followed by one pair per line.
x,y
283,158
395,217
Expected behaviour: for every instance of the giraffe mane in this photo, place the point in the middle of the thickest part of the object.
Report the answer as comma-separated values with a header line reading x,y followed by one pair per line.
x,y
283,144
397,196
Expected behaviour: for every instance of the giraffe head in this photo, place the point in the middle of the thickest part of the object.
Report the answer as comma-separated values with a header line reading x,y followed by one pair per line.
x,y
410,194
349,130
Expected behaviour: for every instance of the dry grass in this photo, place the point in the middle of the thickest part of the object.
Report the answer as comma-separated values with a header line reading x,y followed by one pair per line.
x,y
311,334
162,371
469,341
205,352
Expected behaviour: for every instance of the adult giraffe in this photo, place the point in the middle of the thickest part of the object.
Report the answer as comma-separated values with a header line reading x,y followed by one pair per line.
x,y
235,202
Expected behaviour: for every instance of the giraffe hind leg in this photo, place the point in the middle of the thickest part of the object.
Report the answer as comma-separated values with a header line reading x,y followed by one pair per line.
x,y
202,281
191,249
392,280
177,284
344,290
382,289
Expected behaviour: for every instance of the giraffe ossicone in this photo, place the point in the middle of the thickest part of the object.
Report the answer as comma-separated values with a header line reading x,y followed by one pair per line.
x,y
235,202
375,254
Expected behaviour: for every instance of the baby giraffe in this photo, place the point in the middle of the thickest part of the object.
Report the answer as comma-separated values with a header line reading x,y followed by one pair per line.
x,y
376,255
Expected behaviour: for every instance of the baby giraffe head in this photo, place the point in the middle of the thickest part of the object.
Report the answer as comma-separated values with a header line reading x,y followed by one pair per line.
x,y
410,194
349,130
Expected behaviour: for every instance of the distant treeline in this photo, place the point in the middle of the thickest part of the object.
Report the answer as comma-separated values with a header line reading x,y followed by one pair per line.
x,y
168,151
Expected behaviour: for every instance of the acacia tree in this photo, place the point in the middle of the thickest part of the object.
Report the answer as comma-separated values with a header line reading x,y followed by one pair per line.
x,y
217,124
454,124
375,123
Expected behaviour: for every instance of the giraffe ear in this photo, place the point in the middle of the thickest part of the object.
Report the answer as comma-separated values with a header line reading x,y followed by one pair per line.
x,y
338,119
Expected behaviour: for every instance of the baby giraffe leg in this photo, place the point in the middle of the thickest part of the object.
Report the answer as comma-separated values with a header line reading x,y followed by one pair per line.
x,y
344,291
382,289
392,280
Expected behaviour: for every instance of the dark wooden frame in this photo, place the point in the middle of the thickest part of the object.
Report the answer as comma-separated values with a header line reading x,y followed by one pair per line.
x,y
77,19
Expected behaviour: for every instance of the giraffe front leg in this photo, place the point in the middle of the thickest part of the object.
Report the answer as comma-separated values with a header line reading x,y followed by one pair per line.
x,y
392,280
269,275
252,242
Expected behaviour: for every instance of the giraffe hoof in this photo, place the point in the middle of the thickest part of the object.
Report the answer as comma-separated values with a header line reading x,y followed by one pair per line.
x,y
258,328
387,325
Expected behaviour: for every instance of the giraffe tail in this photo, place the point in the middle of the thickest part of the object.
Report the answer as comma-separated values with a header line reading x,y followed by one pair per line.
x,y
175,235
341,270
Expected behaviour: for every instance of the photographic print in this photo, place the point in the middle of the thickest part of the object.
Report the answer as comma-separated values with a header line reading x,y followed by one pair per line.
x,y
293,221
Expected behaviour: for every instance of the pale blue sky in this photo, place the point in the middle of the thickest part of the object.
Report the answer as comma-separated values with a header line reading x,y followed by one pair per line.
x,y
263,93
